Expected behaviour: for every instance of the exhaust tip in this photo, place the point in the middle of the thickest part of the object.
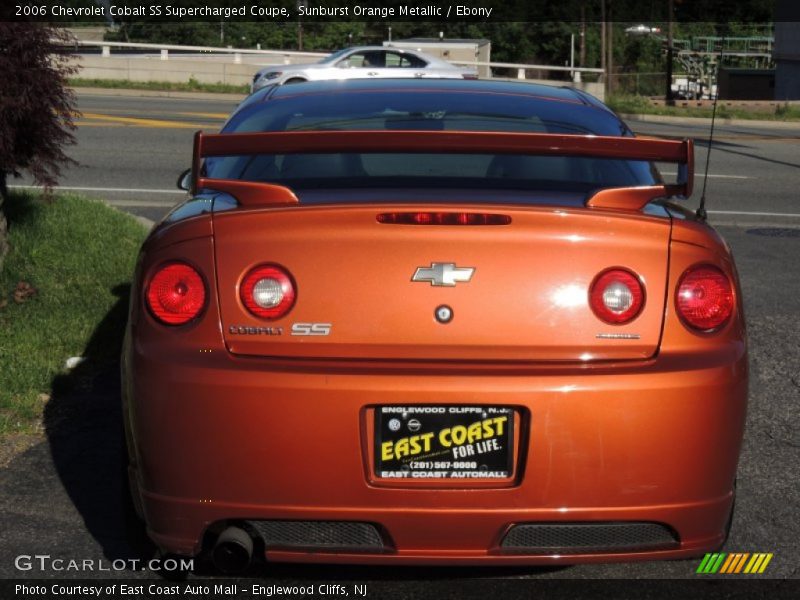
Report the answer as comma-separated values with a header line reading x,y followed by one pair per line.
x,y
233,550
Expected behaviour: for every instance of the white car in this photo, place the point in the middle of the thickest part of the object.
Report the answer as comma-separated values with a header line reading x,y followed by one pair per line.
x,y
363,62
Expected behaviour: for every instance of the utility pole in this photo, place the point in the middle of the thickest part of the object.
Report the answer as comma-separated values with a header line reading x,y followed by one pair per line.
x,y
610,61
603,44
300,4
669,100
572,57
582,59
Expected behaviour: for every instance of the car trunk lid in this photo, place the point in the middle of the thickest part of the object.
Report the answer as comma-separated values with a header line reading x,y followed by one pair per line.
x,y
525,299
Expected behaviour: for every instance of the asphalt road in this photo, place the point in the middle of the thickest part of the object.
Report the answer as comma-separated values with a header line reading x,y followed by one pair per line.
x,y
131,149
62,496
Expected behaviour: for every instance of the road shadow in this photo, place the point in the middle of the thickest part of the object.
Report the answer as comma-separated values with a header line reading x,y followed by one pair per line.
x,y
83,425
301,572
728,148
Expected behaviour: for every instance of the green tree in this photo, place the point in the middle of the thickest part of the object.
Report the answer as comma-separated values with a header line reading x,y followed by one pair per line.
x,y
36,107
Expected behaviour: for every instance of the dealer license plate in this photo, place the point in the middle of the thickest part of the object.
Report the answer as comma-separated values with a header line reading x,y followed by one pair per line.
x,y
444,442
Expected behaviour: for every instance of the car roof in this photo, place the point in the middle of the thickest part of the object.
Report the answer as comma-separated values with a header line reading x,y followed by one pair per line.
x,y
572,98
370,48
384,49
413,51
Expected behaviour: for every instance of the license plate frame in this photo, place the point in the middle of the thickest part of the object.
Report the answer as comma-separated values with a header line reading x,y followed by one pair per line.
x,y
464,442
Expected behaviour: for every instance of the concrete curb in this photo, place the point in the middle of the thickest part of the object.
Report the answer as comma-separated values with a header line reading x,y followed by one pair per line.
x,y
143,220
148,223
793,125
90,91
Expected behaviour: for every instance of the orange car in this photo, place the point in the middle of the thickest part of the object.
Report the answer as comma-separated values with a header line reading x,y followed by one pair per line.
x,y
434,322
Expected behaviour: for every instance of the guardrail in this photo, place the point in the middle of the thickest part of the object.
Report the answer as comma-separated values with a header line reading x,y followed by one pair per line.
x,y
521,68
237,53
164,49
236,71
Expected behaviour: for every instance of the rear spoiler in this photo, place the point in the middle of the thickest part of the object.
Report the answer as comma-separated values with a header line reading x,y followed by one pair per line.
x,y
450,142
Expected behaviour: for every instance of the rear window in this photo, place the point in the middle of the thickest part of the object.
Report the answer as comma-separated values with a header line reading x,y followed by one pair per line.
x,y
429,111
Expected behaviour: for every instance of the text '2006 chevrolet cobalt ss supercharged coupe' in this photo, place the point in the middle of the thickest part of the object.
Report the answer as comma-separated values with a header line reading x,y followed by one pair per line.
x,y
434,322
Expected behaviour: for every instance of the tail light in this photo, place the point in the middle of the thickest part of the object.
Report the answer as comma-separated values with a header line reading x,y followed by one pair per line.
x,y
443,218
176,294
616,296
704,299
268,291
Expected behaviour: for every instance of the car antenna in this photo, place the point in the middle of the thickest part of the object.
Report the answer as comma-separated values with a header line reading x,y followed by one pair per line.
x,y
701,210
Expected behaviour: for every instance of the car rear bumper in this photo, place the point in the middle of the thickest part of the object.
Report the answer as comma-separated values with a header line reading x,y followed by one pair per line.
x,y
446,536
221,439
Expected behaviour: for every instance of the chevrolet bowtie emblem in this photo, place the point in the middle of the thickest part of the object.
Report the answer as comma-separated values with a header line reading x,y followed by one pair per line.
x,y
443,274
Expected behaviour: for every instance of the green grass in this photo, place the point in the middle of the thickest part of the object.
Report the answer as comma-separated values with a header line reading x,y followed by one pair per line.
x,y
640,105
162,86
788,112
79,254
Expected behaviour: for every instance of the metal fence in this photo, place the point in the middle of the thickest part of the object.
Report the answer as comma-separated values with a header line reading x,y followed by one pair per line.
x,y
639,84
